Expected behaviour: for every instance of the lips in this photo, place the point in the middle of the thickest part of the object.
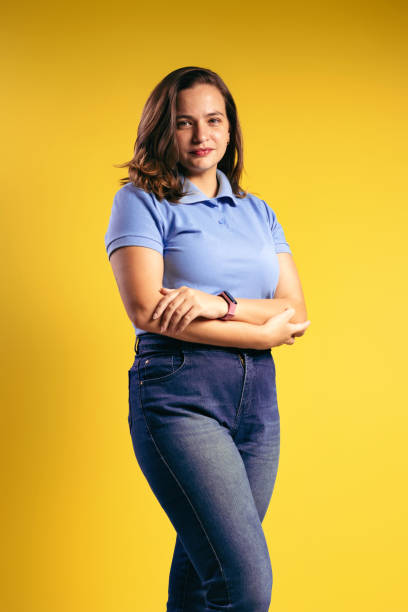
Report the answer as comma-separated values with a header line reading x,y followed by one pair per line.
x,y
201,152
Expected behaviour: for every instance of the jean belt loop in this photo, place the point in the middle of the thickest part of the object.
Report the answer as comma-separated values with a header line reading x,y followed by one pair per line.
x,y
137,344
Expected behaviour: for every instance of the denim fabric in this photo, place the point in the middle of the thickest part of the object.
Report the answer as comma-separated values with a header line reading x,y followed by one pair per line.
x,y
205,429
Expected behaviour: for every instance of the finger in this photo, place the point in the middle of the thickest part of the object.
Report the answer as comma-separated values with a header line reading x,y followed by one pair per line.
x,y
162,305
159,308
176,317
189,316
167,316
182,316
300,326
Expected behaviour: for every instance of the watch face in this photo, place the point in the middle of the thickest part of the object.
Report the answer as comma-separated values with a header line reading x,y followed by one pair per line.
x,y
227,293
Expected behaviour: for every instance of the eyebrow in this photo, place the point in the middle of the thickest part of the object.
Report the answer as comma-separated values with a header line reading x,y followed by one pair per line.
x,y
207,115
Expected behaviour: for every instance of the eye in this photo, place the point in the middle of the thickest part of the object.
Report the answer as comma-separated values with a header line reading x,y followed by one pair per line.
x,y
215,119
181,123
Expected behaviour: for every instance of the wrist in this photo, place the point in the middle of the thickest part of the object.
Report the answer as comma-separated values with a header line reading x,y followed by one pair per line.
x,y
231,303
260,338
222,306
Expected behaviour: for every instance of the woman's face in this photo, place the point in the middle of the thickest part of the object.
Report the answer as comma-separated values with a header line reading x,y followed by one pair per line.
x,y
201,123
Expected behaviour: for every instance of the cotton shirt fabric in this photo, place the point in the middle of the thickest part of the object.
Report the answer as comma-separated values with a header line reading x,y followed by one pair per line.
x,y
211,244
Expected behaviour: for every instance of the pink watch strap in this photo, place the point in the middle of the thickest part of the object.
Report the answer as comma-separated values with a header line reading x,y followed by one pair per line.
x,y
231,307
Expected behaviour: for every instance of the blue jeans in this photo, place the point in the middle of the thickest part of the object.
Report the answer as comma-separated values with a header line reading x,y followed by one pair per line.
x,y
205,429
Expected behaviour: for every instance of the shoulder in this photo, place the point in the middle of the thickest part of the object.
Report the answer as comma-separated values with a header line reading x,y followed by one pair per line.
x,y
135,220
131,200
130,195
261,206
134,207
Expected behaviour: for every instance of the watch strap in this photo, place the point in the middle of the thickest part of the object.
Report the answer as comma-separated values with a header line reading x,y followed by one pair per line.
x,y
232,304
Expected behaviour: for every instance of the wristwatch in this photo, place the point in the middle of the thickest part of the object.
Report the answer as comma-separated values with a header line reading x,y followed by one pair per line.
x,y
232,304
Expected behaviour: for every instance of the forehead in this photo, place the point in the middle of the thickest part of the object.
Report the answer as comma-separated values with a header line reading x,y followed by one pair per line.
x,y
202,96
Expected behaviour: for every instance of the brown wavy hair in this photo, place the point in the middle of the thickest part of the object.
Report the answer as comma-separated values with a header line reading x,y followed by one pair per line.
x,y
155,164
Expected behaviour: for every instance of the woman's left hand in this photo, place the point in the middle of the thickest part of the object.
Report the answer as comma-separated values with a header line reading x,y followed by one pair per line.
x,y
182,305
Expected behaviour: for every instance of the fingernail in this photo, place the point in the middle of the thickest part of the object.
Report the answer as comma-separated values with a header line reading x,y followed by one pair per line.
x,y
155,315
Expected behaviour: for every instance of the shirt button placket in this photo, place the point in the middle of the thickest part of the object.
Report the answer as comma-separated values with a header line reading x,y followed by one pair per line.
x,y
221,220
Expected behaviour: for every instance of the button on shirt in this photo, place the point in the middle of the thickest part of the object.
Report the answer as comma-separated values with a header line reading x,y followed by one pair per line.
x,y
209,244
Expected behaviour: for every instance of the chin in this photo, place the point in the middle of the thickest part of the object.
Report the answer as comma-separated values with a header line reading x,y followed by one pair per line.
x,y
203,163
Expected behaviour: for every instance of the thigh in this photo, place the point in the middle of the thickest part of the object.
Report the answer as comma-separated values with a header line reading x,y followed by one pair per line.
x,y
258,434
182,437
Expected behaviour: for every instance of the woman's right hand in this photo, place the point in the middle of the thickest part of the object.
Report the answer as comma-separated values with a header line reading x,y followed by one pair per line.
x,y
277,330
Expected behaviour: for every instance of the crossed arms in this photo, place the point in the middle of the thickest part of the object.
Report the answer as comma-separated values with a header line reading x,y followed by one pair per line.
x,y
139,272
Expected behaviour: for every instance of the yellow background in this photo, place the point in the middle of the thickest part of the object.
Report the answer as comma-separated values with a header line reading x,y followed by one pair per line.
x,y
321,90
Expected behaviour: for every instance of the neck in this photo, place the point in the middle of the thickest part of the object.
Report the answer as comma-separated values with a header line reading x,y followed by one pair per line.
x,y
206,182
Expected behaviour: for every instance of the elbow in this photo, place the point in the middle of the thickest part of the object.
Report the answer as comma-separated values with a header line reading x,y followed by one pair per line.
x,y
139,320
142,319
142,311
300,315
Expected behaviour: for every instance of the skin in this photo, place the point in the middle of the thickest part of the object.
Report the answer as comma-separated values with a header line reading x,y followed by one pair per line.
x,y
206,126
202,122
185,312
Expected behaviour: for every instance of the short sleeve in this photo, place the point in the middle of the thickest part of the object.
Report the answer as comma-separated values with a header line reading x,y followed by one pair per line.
x,y
134,221
281,245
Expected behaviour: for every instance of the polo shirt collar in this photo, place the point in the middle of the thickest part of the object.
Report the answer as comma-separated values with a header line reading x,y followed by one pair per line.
x,y
194,195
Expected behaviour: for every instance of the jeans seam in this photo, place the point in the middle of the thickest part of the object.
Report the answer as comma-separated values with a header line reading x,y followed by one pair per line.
x,y
189,501
183,603
239,409
186,496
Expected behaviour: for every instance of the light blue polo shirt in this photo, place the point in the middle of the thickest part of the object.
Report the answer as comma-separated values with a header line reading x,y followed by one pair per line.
x,y
209,244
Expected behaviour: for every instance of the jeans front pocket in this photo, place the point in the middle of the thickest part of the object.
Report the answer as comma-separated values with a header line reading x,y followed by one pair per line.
x,y
160,365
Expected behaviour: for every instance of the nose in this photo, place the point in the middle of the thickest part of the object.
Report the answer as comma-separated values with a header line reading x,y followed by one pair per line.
x,y
201,132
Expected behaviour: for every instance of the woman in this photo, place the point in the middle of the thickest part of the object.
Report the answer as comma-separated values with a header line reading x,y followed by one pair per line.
x,y
203,412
